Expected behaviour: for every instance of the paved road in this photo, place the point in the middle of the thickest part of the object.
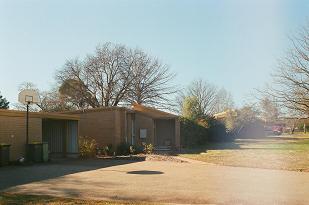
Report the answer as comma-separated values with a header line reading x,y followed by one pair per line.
x,y
159,182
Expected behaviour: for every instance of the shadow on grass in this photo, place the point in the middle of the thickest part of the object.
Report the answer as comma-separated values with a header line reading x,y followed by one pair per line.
x,y
283,137
262,143
11,176
210,146
7,198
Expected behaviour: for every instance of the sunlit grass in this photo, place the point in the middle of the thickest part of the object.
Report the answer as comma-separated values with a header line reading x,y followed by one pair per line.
x,y
286,154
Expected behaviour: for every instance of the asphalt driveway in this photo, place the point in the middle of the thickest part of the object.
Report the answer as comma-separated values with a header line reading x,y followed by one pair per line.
x,y
158,181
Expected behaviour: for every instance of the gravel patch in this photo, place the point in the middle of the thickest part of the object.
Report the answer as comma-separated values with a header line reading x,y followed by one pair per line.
x,y
154,157
148,157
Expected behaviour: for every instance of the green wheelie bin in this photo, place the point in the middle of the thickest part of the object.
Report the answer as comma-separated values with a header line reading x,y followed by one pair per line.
x,y
4,154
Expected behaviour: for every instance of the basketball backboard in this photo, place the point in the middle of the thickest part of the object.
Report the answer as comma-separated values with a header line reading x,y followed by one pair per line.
x,y
28,96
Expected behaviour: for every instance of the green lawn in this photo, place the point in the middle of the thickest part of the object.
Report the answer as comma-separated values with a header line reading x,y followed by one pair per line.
x,y
286,152
16,199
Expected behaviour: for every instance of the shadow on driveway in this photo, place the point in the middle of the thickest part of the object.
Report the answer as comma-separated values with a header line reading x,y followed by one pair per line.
x,y
145,172
18,175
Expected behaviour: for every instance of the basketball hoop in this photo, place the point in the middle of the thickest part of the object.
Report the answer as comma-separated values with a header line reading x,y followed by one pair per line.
x,y
27,97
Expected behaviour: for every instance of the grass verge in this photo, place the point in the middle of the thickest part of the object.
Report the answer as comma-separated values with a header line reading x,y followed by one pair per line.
x,y
16,199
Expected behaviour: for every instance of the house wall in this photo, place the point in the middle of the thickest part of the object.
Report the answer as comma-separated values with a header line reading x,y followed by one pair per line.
x,y
144,122
106,127
13,131
99,125
177,133
114,126
120,126
129,119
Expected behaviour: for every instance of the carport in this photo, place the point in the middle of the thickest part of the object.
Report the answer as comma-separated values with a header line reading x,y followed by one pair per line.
x,y
60,131
61,136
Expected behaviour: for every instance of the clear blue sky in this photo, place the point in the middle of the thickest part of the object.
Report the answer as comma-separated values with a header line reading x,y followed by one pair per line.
x,y
231,43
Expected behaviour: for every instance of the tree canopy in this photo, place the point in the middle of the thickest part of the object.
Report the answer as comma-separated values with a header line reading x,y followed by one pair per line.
x,y
4,104
113,75
201,99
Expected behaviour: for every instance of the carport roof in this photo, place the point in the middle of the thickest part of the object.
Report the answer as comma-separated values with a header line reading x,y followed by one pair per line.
x,y
100,109
136,108
43,115
152,112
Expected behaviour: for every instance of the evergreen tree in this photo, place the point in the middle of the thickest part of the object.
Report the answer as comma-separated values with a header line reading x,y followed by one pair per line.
x,y
4,104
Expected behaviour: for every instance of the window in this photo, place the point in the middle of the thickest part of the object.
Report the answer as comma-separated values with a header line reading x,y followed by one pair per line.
x,y
143,133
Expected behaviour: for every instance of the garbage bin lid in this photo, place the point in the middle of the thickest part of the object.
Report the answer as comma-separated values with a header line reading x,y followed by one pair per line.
x,y
4,145
35,143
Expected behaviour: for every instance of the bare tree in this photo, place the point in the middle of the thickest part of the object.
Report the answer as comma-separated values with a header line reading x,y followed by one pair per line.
x,y
50,101
115,74
76,85
208,99
151,81
291,79
269,110
224,101
53,101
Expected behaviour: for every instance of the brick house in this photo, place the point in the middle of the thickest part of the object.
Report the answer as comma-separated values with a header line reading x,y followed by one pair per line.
x,y
114,125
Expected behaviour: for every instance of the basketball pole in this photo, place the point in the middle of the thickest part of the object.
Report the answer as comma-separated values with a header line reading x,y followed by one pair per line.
x,y
27,124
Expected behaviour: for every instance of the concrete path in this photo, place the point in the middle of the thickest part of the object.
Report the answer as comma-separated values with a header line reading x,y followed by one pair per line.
x,y
171,182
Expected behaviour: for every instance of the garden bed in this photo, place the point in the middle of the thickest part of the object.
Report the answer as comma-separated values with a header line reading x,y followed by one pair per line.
x,y
143,157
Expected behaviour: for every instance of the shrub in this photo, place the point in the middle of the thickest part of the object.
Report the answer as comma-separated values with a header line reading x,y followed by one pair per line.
x,y
87,147
123,149
193,133
201,131
148,148
139,149
132,150
217,131
127,149
106,150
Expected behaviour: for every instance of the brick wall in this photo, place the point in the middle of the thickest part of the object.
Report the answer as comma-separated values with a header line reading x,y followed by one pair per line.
x,y
13,131
144,122
99,125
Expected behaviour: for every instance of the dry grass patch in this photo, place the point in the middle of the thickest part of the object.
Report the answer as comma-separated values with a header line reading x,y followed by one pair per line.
x,y
270,153
16,199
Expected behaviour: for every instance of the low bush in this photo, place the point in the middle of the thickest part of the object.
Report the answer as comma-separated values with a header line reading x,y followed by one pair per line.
x,y
127,149
192,133
106,150
138,149
123,149
132,150
217,131
202,131
87,147
148,148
